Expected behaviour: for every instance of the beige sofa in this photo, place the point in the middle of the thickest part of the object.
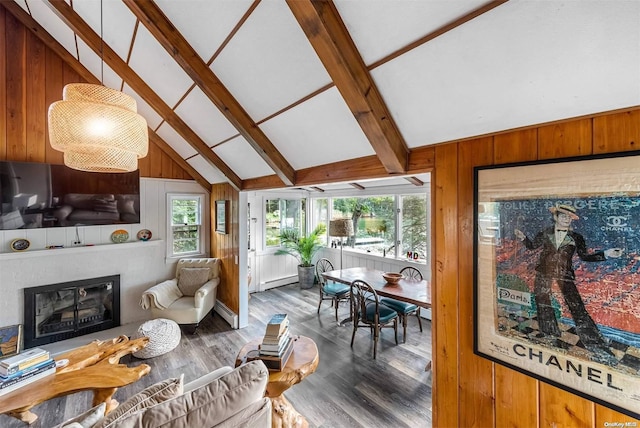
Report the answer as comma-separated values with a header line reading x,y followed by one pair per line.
x,y
224,398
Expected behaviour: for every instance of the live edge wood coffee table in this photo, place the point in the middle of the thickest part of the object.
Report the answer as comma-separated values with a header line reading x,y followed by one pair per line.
x,y
91,367
302,362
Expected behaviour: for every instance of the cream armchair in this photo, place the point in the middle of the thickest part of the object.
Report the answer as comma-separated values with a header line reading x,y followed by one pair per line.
x,y
187,298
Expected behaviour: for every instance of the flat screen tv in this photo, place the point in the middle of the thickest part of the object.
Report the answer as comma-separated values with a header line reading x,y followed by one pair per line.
x,y
35,195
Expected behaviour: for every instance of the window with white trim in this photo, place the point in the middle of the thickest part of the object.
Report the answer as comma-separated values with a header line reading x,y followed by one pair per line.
x,y
281,214
185,214
394,225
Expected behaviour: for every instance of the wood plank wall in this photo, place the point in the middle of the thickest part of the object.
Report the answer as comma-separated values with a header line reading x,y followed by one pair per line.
x,y
31,78
470,391
226,247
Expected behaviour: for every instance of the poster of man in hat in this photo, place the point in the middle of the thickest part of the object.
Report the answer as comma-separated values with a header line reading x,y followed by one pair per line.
x,y
559,243
557,274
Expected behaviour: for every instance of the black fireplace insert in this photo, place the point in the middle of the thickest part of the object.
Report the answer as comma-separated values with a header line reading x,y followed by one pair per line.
x,y
69,309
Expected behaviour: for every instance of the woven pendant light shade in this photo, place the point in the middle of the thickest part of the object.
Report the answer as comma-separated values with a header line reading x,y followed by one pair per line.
x,y
98,129
341,228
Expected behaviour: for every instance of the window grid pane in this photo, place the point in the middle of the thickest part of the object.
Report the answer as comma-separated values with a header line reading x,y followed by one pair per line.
x,y
185,218
414,226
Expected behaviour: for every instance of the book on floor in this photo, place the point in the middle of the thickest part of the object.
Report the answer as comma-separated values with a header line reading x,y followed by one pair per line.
x,y
276,325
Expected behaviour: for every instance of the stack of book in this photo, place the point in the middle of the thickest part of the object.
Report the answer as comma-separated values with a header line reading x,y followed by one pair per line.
x,y
25,368
277,344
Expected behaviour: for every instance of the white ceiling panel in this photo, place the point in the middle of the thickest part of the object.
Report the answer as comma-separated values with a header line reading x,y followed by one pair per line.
x,y
492,74
158,69
319,131
242,158
179,144
269,64
54,25
204,23
117,22
211,174
95,65
204,118
379,28
144,109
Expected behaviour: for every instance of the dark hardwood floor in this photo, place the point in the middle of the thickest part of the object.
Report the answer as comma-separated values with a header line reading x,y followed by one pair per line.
x,y
349,388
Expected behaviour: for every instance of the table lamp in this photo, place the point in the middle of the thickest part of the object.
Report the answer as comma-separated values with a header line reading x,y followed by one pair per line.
x,y
341,228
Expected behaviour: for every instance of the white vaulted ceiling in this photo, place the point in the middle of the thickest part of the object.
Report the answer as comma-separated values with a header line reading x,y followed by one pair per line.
x,y
265,91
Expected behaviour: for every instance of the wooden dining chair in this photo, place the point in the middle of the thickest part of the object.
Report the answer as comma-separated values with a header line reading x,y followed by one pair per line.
x,y
405,309
369,312
330,290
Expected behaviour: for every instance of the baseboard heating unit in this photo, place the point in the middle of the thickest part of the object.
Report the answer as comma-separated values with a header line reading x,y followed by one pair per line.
x,y
227,314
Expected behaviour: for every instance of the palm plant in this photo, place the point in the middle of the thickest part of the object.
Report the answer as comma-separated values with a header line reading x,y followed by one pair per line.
x,y
303,248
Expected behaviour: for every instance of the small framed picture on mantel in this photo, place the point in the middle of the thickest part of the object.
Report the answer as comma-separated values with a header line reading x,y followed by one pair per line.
x,y
221,216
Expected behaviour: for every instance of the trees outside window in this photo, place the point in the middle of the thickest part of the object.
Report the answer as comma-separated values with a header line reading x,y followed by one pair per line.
x,y
413,214
385,225
185,214
283,214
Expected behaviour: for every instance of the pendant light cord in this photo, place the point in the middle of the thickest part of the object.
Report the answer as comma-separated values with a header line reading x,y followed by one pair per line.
x,y
101,46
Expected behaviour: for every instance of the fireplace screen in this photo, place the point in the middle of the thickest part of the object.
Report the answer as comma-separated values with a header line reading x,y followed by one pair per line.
x,y
61,311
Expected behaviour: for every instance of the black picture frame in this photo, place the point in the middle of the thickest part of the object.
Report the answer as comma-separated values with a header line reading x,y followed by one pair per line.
x,y
221,216
528,267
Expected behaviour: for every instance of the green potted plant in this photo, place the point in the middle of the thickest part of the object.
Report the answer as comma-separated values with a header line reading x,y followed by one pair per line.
x,y
303,248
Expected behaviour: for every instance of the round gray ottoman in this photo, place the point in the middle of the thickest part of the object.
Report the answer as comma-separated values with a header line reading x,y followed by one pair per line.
x,y
163,334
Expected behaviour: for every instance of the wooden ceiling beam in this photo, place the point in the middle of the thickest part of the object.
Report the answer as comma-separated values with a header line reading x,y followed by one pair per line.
x,y
357,186
421,160
183,53
51,43
321,22
415,181
110,57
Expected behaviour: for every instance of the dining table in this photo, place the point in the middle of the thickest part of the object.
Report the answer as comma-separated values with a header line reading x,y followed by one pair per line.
x,y
416,291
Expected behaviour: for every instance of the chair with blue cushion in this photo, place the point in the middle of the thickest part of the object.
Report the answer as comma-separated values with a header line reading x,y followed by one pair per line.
x,y
369,312
330,290
405,309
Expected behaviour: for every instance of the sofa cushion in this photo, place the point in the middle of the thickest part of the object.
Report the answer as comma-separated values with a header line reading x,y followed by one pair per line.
x,y
191,279
208,405
86,419
208,378
148,397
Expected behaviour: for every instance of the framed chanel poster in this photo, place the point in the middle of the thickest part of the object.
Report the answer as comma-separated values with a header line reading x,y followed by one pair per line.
x,y
557,273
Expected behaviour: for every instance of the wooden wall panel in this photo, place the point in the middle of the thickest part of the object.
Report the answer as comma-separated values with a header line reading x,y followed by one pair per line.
x,y
565,139
617,133
54,84
520,401
225,246
445,288
3,85
476,392
36,111
16,87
